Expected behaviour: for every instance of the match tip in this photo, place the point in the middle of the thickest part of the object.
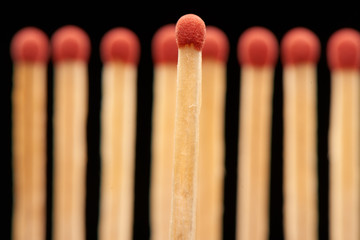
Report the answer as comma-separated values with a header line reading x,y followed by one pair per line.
x,y
30,44
300,45
258,46
190,30
343,49
120,44
164,48
216,44
70,43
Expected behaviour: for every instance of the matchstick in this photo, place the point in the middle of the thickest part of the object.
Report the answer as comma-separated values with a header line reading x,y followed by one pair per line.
x,y
190,36
119,50
300,49
343,54
71,50
257,53
211,145
165,54
30,54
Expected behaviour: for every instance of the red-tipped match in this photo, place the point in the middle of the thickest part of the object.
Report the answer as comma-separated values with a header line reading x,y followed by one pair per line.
x,y
30,44
343,49
300,45
164,48
190,30
120,44
70,43
257,46
216,44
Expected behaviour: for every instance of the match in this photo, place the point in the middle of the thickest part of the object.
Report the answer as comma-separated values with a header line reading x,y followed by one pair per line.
x,y
190,37
30,55
165,55
300,52
343,55
212,136
71,52
257,55
150,138
120,50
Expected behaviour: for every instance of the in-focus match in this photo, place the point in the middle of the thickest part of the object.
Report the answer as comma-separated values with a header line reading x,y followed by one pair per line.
x,y
190,37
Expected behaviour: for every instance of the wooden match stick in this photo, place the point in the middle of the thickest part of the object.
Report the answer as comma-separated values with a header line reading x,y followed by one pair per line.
x,y
257,53
211,146
30,54
300,49
343,53
71,51
165,54
190,36
120,50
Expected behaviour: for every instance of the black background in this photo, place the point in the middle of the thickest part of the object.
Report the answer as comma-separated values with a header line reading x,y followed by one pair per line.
x,y
144,19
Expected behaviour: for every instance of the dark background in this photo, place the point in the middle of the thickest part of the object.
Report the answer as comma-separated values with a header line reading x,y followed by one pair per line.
x,y
144,19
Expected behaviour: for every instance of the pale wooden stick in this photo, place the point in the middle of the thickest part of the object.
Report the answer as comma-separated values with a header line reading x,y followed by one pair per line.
x,y
211,151
344,134
300,53
119,51
71,50
258,54
118,126
344,142
29,98
162,148
254,152
70,114
212,142
300,174
190,36
30,54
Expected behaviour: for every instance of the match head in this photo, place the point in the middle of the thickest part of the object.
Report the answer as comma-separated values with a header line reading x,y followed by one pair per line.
x,y
120,44
216,45
343,49
164,47
30,44
300,45
257,46
70,43
190,30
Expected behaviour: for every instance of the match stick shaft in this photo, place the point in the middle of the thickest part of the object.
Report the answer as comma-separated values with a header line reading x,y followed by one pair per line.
x,y
70,114
118,125
162,149
254,152
300,160
344,153
211,151
29,150
188,96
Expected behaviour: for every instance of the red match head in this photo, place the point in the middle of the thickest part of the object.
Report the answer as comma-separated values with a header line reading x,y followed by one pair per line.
x,y
164,48
70,43
190,30
120,44
30,45
343,49
216,44
300,45
257,46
